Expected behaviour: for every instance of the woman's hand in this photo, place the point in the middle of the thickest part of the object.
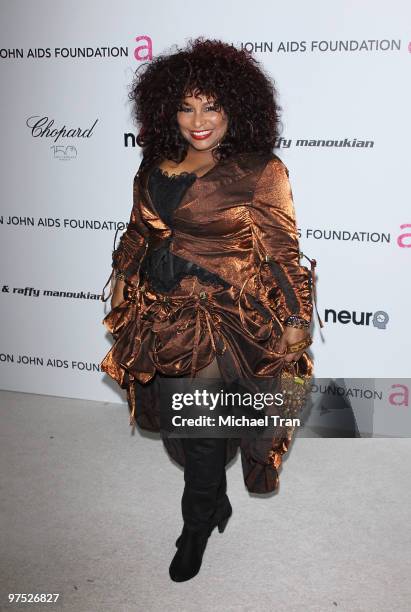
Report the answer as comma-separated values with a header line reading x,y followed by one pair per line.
x,y
290,336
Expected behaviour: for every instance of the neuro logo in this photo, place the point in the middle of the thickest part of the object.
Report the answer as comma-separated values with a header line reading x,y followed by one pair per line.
x,y
380,319
144,49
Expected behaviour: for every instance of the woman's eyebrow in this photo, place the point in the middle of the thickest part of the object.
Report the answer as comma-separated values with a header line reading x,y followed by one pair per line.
x,y
207,103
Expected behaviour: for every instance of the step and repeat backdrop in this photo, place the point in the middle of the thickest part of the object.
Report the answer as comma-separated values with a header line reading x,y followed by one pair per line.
x,y
69,157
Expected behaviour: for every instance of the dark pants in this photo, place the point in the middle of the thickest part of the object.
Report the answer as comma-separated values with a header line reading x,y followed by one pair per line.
x,y
205,479
204,472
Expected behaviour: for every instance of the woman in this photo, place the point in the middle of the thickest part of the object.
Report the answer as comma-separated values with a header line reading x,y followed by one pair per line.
x,y
206,280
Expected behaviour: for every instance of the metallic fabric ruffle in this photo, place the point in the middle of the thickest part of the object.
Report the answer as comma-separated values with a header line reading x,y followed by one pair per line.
x,y
181,332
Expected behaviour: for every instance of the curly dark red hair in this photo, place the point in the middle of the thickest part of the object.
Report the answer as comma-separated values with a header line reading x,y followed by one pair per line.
x,y
232,77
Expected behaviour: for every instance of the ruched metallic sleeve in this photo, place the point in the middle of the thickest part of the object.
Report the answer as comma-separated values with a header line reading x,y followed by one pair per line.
x,y
276,240
132,245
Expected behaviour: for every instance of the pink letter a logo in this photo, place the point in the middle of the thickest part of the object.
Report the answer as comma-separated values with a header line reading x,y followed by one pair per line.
x,y
143,51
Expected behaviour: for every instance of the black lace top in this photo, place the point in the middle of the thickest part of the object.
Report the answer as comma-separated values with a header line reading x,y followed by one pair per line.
x,y
162,268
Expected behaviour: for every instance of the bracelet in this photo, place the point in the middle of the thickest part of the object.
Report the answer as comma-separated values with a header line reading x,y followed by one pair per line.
x,y
296,321
119,275
298,346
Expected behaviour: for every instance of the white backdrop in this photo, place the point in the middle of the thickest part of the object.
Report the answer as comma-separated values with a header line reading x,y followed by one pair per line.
x,y
343,72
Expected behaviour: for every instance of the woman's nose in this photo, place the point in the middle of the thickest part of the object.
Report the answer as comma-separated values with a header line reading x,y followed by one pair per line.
x,y
198,119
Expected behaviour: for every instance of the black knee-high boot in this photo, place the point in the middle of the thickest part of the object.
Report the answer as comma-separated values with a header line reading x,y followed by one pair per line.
x,y
222,509
204,503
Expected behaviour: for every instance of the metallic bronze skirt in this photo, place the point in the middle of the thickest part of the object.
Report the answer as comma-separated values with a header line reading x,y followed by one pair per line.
x,y
182,331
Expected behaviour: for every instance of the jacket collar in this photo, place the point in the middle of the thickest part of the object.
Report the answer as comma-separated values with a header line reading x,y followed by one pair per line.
x,y
223,173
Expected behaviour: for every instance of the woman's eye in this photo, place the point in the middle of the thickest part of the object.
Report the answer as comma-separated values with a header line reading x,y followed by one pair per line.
x,y
187,109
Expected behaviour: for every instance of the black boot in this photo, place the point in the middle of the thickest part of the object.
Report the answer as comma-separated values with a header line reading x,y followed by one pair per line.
x,y
223,509
188,558
204,476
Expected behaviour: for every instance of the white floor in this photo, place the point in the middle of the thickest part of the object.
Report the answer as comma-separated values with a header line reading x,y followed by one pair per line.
x,y
91,512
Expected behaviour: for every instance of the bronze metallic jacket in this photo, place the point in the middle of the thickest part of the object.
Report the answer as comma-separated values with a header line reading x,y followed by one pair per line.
x,y
238,221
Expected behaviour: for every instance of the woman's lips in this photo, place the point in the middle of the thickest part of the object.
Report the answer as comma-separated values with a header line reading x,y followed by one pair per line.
x,y
201,135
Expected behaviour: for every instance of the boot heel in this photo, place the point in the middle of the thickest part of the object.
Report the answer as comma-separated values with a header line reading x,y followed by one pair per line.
x,y
222,524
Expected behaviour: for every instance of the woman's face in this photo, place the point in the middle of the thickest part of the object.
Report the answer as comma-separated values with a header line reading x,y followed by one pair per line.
x,y
201,123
